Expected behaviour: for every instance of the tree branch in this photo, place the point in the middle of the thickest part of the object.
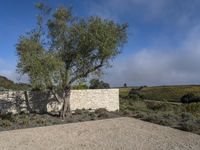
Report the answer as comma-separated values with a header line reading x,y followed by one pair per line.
x,y
86,73
56,96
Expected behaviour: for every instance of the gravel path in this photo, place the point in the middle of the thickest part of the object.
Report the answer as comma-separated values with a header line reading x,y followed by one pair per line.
x,y
111,134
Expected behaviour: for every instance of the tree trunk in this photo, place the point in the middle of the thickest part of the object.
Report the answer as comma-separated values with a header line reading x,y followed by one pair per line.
x,y
27,102
65,97
66,104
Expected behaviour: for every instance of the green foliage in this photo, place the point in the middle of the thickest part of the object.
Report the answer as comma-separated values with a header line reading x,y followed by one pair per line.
x,y
80,86
5,123
190,98
8,116
159,106
193,108
184,117
63,50
97,84
134,94
41,121
189,126
24,120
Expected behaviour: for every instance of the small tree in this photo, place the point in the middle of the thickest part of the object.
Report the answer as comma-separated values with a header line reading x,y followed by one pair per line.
x,y
125,85
62,50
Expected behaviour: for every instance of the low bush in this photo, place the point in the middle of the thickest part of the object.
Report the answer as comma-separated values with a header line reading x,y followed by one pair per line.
x,y
166,122
5,123
189,98
135,94
24,120
8,116
189,126
158,106
78,111
170,116
185,116
137,106
193,108
102,112
141,115
152,118
41,121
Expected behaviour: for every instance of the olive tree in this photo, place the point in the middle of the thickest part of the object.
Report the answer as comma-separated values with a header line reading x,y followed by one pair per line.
x,y
62,50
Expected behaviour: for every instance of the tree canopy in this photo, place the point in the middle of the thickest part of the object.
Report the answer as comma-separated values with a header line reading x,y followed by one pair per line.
x,y
63,49
98,84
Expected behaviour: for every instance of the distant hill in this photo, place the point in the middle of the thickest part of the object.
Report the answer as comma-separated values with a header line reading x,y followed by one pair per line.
x,y
7,84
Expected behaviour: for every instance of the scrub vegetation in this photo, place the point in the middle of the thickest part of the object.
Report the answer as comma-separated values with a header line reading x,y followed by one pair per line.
x,y
168,110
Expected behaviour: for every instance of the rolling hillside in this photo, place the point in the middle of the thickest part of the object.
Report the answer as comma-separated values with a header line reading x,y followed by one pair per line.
x,y
165,93
5,83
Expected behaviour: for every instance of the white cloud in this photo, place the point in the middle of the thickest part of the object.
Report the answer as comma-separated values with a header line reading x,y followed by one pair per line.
x,y
158,66
173,12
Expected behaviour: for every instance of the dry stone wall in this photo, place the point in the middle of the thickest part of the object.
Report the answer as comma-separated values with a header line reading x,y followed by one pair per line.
x,y
40,102
94,99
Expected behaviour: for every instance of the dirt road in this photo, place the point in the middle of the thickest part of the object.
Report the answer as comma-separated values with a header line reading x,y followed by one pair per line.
x,y
111,134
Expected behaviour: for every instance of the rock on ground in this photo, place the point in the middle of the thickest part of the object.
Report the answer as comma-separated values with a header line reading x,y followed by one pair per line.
x,y
111,134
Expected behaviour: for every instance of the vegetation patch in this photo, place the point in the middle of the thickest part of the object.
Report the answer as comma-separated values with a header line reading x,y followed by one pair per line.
x,y
10,122
184,117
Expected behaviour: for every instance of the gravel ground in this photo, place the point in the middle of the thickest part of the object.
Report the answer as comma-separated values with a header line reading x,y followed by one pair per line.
x,y
117,134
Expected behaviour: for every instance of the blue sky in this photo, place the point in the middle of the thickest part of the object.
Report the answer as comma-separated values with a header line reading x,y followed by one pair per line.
x,y
163,37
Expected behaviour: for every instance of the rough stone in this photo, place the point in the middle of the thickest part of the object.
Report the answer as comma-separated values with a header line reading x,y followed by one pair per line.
x,y
15,102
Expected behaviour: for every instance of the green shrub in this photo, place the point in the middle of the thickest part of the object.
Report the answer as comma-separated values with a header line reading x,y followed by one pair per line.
x,y
127,113
93,116
98,84
80,86
24,120
100,110
152,118
166,122
170,116
103,113
158,106
8,116
189,126
78,111
5,123
190,98
187,116
141,115
41,121
193,108
137,106
134,94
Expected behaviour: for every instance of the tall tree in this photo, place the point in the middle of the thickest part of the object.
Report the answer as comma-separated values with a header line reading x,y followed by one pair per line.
x,y
63,49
